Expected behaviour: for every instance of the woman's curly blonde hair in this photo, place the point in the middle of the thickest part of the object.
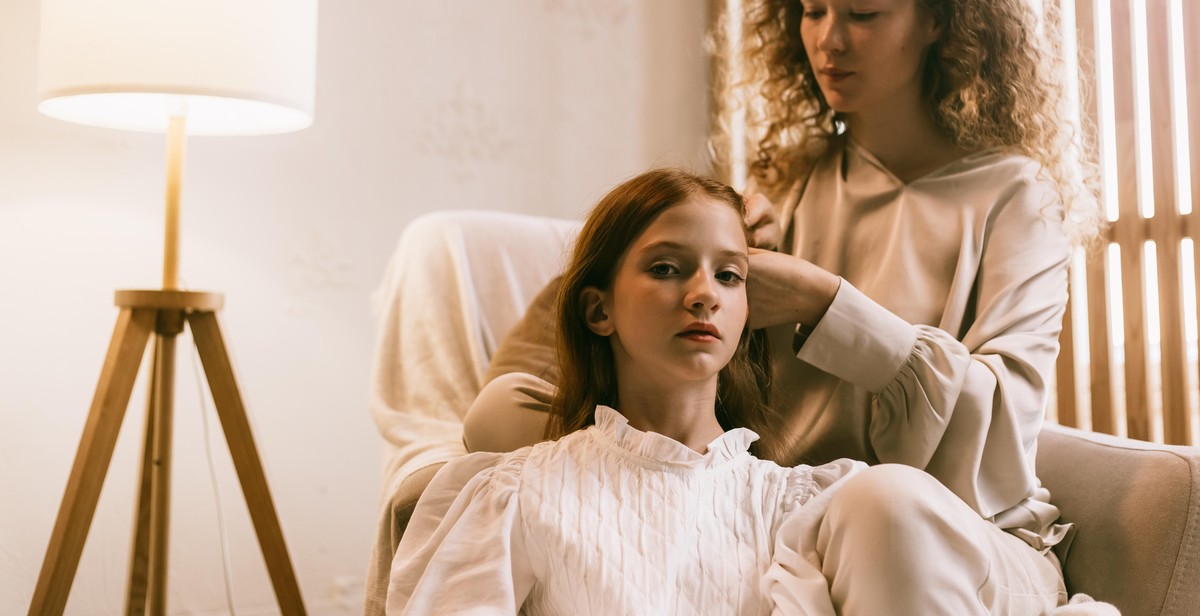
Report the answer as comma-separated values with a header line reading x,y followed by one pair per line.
x,y
994,81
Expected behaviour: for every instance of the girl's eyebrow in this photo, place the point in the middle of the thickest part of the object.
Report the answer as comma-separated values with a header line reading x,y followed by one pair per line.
x,y
670,245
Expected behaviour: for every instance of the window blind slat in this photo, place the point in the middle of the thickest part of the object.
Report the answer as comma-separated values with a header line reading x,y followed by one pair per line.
x,y
1098,342
1099,348
1128,224
1165,226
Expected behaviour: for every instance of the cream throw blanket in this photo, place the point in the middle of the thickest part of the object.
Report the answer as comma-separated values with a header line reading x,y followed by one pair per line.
x,y
456,283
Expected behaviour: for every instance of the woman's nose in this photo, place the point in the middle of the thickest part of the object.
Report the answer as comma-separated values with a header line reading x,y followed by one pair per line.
x,y
832,36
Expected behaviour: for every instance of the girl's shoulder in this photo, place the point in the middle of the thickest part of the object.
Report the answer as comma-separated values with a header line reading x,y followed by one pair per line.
x,y
513,463
787,483
483,467
493,475
798,484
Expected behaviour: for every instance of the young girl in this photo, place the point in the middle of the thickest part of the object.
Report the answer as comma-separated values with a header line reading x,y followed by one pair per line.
x,y
650,501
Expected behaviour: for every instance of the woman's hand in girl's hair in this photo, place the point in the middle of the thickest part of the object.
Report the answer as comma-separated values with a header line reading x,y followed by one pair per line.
x,y
761,218
786,289
765,231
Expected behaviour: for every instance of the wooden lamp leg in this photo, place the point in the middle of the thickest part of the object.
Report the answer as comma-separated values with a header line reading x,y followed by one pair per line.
x,y
148,562
92,460
139,558
232,413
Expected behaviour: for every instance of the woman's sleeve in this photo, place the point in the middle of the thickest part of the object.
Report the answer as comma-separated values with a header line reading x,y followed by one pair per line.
x,y
966,411
794,581
464,550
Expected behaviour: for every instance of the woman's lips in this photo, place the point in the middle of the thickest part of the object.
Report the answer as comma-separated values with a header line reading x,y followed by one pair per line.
x,y
835,74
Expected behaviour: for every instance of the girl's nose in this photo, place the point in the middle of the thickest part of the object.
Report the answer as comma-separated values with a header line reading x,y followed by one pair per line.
x,y
702,293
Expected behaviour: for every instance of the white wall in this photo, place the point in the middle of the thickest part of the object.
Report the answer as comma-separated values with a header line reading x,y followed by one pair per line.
x,y
532,106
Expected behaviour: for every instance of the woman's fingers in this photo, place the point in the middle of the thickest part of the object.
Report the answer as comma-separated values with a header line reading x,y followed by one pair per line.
x,y
760,218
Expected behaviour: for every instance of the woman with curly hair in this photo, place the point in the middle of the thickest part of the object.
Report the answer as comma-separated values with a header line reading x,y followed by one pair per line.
x,y
914,205
920,155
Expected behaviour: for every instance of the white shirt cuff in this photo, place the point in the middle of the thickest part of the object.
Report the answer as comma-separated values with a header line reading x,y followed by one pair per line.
x,y
859,341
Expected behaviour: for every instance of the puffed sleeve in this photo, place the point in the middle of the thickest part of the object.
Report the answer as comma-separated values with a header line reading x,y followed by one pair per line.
x,y
464,550
966,411
794,581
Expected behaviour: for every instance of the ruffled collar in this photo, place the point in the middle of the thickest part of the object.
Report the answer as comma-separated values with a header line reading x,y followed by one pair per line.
x,y
614,428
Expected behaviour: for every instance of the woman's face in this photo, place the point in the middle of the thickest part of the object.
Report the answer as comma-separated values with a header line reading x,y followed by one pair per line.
x,y
867,54
677,305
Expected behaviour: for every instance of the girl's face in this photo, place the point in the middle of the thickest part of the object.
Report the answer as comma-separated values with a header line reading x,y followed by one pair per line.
x,y
677,305
867,54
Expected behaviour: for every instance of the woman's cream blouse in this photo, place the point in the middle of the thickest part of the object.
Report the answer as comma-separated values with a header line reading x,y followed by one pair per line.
x,y
939,346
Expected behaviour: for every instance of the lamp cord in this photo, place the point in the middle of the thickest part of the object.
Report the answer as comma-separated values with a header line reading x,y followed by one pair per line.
x,y
212,474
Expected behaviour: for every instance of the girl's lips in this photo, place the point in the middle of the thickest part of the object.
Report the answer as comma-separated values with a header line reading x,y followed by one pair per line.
x,y
701,330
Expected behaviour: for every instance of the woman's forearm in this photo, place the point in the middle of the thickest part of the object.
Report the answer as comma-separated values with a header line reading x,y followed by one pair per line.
x,y
786,289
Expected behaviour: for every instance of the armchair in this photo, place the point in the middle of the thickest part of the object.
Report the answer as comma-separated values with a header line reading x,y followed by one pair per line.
x,y
1136,504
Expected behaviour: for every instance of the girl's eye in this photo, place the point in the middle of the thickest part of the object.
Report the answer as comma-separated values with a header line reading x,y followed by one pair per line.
x,y
863,15
813,13
730,277
663,269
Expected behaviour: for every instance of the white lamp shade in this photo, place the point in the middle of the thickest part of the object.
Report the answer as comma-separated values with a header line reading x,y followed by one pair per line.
x,y
233,67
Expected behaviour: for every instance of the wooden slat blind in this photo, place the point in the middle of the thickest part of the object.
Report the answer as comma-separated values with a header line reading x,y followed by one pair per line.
x,y
1140,108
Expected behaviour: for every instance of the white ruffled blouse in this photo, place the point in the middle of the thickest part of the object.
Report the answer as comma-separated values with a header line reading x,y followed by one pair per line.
x,y
612,520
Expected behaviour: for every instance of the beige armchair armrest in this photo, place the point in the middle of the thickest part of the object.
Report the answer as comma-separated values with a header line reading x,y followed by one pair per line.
x,y
1137,508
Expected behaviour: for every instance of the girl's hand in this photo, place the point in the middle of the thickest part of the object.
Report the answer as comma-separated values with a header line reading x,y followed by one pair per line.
x,y
786,289
765,231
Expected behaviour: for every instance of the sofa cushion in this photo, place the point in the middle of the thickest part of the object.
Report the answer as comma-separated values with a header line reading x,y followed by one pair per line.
x,y
1137,510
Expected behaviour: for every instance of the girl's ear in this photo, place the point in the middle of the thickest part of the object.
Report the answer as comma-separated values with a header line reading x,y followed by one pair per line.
x,y
595,314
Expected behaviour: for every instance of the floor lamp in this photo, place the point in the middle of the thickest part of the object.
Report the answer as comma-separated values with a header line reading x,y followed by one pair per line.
x,y
218,67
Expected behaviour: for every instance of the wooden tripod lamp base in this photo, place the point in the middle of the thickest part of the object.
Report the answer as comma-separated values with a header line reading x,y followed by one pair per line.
x,y
163,314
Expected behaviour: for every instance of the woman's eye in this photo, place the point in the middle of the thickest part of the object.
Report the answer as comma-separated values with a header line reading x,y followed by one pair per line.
x,y
863,15
813,13
662,269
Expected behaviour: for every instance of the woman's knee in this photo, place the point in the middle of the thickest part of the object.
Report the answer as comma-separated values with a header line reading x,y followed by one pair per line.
x,y
885,483
896,541
889,496
900,516
508,414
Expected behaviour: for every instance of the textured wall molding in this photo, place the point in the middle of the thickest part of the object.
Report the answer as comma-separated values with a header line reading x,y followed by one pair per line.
x,y
464,130
591,16
317,267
